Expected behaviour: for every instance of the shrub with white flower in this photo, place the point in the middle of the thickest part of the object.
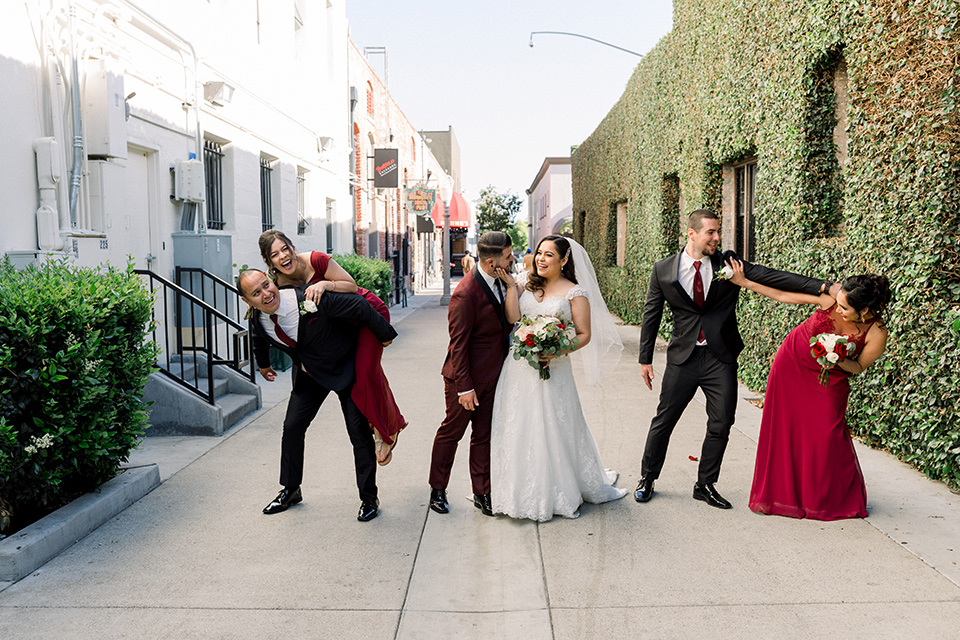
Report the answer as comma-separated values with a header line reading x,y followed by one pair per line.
x,y
36,444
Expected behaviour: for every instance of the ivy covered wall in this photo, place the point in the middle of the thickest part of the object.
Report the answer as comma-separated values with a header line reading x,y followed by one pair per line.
x,y
754,78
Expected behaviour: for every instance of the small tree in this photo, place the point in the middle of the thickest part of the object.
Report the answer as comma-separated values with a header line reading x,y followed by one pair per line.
x,y
518,235
497,211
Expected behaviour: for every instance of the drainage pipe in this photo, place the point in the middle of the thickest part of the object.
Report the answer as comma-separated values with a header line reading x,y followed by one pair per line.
x,y
76,171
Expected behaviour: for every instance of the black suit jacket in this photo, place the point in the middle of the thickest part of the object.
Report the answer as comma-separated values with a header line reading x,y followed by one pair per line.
x,y
717,318
327,339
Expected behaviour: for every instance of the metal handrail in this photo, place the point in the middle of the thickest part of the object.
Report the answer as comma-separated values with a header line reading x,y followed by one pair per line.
x,y
185,325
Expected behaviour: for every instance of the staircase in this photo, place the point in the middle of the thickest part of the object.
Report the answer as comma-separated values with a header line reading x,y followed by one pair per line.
x,y
205,383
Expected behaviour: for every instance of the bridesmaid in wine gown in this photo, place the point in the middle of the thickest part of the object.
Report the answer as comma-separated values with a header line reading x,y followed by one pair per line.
x,y
806,465
371,391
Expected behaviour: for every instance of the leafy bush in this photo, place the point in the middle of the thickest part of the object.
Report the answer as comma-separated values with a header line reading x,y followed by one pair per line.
x,y
73,363
369,273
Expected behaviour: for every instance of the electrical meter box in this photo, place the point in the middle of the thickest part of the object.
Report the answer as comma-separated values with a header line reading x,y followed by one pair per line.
x,y
105,109
188,184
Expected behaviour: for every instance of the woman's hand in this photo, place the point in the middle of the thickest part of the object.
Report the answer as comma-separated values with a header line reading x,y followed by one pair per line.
x,y
504,275
315,291
738,278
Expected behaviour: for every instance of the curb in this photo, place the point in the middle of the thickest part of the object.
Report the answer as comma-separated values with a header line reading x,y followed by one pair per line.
x,y
31,547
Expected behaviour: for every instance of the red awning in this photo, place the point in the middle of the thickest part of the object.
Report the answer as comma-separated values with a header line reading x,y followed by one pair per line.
x,y
459,213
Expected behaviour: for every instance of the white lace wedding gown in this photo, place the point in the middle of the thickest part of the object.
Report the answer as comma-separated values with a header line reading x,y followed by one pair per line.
x,y
543,459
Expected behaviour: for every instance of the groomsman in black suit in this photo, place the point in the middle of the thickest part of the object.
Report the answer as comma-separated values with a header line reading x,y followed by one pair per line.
x,y
321,338
703,349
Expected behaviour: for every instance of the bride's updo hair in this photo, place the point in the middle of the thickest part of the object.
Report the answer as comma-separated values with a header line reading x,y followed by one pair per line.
x,y
267,238
536,282
868,291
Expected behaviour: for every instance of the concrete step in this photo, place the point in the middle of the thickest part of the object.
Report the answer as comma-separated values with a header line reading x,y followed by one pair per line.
x,y
236,407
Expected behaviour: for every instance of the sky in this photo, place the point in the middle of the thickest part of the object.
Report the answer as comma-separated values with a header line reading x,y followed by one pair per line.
x,y
468,64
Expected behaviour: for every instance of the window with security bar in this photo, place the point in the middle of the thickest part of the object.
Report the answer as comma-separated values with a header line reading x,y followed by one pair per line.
x,y
213,173
266,197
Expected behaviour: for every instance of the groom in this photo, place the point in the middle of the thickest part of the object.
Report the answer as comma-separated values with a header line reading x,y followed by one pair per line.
x,y
703,349
321,338
479,340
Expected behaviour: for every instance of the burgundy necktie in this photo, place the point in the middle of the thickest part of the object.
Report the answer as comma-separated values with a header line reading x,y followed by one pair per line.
x,y
287,340
698,293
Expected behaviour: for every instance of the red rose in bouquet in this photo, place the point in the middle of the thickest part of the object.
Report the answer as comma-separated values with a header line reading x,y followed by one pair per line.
x,y
819,350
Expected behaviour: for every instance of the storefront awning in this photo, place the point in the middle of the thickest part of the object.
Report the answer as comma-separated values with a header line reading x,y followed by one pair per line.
x,y
459,213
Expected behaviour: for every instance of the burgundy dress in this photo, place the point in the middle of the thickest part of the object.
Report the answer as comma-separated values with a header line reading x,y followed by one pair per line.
x,y
806,465
371,392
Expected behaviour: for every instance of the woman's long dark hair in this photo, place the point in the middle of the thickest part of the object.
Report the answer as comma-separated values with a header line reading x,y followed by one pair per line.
x,y
267,238
868,291
536,282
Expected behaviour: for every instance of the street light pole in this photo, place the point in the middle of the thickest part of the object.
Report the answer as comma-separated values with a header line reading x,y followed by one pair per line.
x,y
446,192
577,35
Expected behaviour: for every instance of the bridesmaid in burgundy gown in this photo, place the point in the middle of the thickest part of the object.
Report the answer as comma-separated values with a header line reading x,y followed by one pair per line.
x,y
371,391
806,464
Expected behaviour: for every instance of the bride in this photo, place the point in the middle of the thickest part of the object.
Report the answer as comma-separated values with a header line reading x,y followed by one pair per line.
x,y
543,459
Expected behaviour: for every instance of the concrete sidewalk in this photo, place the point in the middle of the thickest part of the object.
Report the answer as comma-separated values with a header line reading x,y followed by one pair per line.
x,y
196,559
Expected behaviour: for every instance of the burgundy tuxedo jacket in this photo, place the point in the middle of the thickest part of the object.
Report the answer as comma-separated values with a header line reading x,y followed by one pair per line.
x,y
479,334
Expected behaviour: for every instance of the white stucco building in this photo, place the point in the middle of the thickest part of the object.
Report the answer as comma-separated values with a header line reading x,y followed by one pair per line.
x,y
549,199
174,131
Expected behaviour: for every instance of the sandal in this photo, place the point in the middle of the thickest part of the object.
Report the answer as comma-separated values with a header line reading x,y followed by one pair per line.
x,y
380,446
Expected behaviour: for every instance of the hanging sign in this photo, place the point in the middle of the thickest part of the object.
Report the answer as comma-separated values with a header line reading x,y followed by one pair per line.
x,y
421,201
385,168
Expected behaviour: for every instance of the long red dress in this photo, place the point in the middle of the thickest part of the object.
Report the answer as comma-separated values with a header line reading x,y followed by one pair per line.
x,y
806,465
371,391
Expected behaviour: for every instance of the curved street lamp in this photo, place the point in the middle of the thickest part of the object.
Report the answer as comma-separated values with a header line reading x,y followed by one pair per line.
x,y
577,35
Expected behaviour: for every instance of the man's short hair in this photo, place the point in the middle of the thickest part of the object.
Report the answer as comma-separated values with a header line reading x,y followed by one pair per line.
x,y
243,274
695,219
492,243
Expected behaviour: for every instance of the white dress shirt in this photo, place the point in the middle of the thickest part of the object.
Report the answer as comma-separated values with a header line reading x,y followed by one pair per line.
x,y
288,316
492,283
686,273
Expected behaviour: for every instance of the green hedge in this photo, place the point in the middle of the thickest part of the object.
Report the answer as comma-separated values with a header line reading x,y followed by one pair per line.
x,y
73,363
754,78
369,273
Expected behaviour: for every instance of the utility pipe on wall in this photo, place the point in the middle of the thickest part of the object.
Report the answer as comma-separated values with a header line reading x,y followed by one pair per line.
x,y
76,171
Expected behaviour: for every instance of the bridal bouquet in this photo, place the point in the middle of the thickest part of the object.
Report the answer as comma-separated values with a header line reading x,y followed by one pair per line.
x,y
829,349
541,336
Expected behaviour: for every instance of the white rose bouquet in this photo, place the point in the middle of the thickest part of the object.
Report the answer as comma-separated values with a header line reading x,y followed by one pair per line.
x,y
830,349
542,336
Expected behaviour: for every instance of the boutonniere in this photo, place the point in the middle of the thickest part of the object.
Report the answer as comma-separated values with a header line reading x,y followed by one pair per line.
x,y
308,306
724,274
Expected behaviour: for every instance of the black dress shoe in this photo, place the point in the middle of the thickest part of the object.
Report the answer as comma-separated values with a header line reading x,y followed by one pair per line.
x,y
708,493
644,490
438,501
484,503
368,510
284,500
